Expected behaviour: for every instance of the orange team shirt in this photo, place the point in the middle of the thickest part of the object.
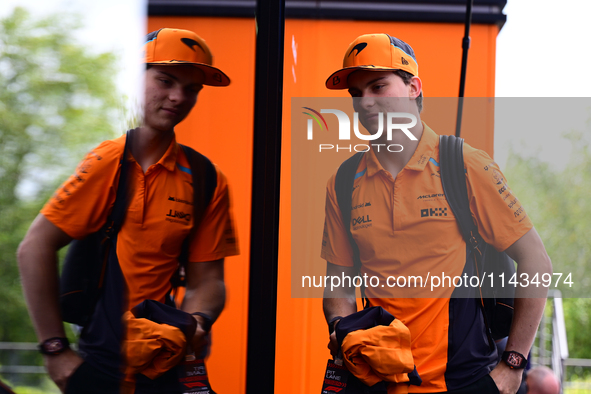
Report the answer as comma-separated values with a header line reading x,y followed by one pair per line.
x,y
158,219
404,226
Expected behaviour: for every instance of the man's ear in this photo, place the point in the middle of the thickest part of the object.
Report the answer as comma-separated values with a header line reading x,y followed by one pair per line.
x,y
415,87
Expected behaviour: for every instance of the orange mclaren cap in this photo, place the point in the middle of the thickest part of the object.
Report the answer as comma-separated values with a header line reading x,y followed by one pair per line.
x,y
374,52
175,46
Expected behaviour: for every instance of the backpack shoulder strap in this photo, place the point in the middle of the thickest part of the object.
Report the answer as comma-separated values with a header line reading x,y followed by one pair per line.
x,y
204,182
204,177
344,180
117,216
453,179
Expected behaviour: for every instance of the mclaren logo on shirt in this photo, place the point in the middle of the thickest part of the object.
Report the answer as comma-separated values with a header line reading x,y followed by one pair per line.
x,y
429,196
425,198
176,199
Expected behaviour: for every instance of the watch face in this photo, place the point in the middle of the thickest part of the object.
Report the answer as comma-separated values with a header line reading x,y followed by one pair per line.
x,y
514,360
54,345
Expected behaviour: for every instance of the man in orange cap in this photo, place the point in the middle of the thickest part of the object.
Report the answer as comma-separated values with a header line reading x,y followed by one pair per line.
x,y
409,229
148,244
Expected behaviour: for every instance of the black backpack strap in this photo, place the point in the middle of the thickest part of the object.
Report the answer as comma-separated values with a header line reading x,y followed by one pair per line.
x,y
115,220
453,179
84,273
204,177
344,180
204,182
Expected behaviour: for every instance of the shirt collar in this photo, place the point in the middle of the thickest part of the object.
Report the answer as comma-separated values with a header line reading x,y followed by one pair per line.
x,y
418,161
168,160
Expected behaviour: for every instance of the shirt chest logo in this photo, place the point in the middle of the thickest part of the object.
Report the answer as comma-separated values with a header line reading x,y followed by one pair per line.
x,y
360,215
361,222
176,199
361,205
431,197
430,212
178,215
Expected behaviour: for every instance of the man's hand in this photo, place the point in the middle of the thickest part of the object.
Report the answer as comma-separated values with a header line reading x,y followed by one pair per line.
x,y
338,302
62,366
506,379
333,345
206,293
200,339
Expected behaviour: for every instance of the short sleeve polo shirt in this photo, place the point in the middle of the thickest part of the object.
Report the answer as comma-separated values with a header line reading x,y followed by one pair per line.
x,y
158,219
404,227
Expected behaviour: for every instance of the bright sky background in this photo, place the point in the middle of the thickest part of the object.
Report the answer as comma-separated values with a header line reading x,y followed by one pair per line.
x,y
108,25
542,51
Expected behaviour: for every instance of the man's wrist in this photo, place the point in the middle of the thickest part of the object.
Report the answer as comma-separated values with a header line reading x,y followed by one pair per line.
x,y
204,320
332,323
54,346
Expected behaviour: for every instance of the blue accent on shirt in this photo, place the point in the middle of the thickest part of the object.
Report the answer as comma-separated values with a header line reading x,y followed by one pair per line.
x,y
432,160
185,169
360,174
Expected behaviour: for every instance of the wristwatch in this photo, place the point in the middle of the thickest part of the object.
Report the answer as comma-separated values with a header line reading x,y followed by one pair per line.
x,y
514,360
54,346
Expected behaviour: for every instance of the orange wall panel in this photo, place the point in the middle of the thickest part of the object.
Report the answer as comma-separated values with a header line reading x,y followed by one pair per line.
x,y
221,127
313,50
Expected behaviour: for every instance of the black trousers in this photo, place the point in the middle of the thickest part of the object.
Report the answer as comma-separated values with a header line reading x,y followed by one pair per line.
x,y
88,380
485,385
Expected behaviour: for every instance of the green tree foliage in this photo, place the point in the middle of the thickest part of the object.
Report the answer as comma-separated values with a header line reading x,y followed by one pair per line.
x,y
558,204
57,100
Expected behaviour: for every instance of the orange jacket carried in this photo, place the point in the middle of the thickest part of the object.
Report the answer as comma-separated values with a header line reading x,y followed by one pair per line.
x,y
376,347
151,348
156,338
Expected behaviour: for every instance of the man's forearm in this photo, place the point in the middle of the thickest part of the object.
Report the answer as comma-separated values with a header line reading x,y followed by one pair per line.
x,y
526,319
37,260
532,259
208,298
40,287
334,307
529,306
206,293
206,290
339,301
